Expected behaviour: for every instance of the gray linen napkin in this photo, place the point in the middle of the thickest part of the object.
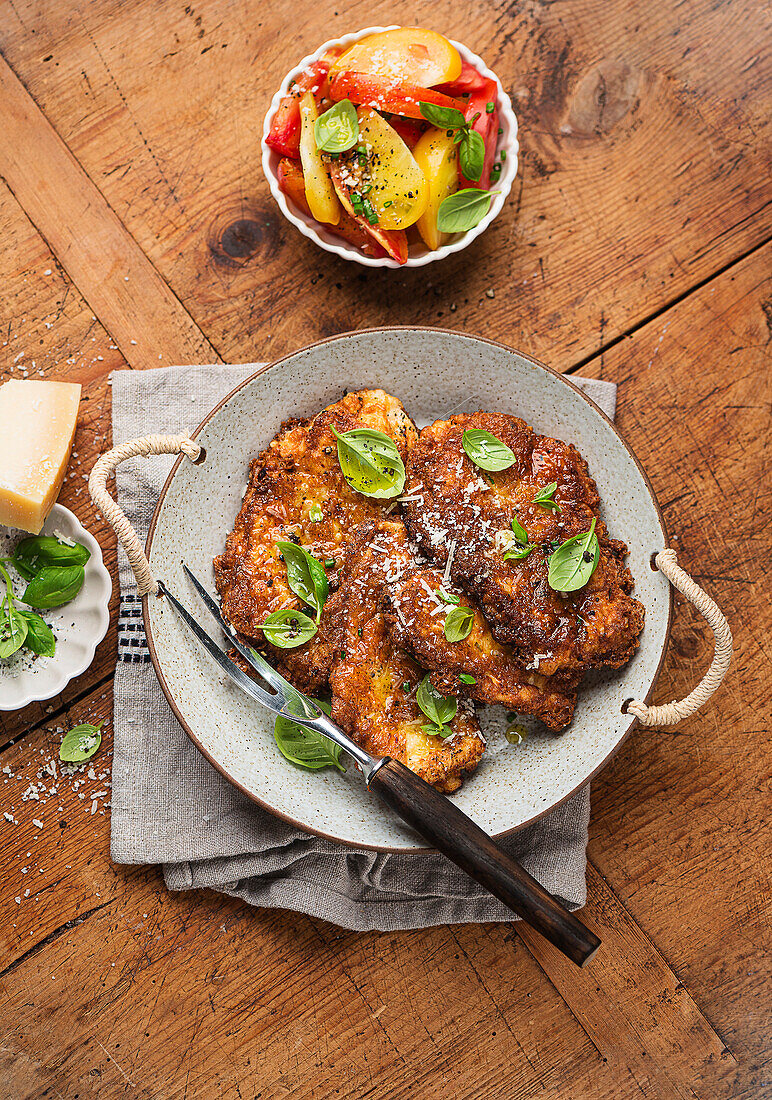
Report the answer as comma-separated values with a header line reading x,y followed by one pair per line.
x,y
170,806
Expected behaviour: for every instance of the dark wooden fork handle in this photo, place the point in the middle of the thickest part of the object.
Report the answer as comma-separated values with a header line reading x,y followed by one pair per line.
x,y
448,829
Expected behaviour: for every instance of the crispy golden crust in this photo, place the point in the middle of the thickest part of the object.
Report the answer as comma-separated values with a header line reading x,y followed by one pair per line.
x,y
295,478
415,617
373,682
597,626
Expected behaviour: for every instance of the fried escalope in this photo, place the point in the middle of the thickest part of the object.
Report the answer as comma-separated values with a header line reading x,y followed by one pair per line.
x,y
374,682
297,493
415,614
453,507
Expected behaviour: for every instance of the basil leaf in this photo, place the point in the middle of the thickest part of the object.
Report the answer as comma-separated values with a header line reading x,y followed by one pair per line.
x,y
287,629
32,554
437,708
40,637
54,585
371,463
13,631
520,532
463,210
545,495
306,747
337,129
305,576
471,155
569,567
486,451
447,597
446,118
438,731
458,624
80,743
465,678
518,552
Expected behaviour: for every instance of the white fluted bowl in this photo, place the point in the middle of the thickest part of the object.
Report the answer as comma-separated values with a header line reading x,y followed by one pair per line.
x,y
420,255
79,625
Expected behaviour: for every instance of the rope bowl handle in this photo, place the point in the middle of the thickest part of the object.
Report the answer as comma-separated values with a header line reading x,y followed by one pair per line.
x,y
97,487
670,714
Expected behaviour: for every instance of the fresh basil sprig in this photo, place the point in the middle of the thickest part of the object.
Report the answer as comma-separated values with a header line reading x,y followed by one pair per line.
x,y
574,561
439,709
54,586
545,497
486,450
471,147
288,629
458,624
305,576
337,129
80,743
32,554
463,210
370,463
305,747
522,547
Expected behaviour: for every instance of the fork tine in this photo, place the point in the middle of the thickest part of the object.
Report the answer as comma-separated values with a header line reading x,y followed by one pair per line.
x,y
246,683
258,662
285,690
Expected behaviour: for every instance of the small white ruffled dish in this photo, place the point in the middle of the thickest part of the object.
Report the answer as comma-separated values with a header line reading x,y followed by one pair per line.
x,y
79,626
419,255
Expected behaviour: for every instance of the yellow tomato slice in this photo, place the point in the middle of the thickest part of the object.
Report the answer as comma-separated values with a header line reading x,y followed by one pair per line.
x,y
436,156
320,194
408,54
399,192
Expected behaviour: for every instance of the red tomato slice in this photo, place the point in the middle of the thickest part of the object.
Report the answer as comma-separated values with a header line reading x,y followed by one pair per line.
x,y
408,129
384,95
293,185
487,126
467,82
284,135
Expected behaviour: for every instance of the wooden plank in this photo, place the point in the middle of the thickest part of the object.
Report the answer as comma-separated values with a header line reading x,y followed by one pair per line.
x,y
48,331
645,163
679,818
132,301
108,977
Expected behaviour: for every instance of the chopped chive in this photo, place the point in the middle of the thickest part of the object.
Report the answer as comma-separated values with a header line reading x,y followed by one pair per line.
x,y
501,129
465,678
389,202
503,154
329,563
406,685
490,108
369,213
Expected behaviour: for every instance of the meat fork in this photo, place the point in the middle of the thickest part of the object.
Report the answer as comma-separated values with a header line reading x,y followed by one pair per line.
x,y
435,817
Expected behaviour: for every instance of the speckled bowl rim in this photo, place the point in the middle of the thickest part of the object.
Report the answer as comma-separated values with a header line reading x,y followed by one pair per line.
x,y
358,845
311,229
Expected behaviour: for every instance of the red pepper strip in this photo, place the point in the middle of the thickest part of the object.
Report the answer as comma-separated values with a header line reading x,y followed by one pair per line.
x,y
293,185
388,95
487,126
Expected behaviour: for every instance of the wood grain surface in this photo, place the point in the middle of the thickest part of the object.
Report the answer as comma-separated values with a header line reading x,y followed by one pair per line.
x,y
137,230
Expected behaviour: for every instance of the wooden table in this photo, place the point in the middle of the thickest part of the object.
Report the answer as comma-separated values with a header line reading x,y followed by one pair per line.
x,y
137,230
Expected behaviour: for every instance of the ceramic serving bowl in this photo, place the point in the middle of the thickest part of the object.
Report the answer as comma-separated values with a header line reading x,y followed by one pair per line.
x,y
419,255
79,625
435,374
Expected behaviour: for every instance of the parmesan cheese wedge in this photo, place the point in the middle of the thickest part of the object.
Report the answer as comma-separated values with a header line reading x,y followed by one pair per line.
x,y
35,446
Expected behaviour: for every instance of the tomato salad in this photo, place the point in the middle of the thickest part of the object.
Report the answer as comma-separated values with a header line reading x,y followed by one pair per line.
x,y
390,141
